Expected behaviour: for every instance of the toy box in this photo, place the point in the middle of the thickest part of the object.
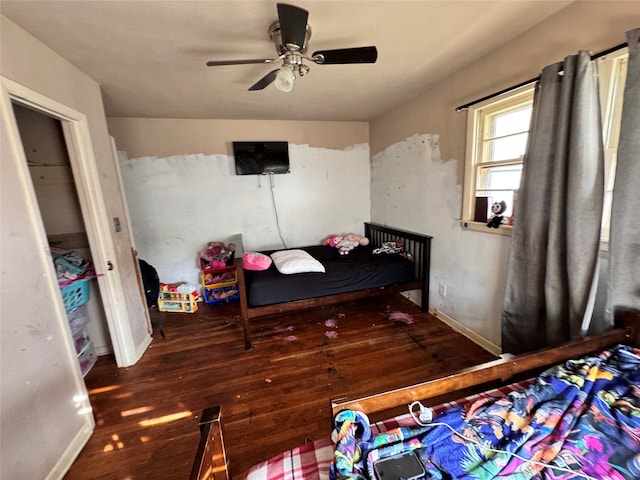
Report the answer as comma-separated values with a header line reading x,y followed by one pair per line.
x,y
225,294
219,277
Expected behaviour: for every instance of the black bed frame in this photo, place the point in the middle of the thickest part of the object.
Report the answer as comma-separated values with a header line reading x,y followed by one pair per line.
x,y
418,245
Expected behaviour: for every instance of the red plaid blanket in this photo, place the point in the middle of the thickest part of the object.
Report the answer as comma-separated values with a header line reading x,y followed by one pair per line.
x,y
311,461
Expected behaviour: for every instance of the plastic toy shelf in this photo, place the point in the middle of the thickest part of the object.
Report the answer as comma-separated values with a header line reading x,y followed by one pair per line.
x,y
220,285
177,302
224,294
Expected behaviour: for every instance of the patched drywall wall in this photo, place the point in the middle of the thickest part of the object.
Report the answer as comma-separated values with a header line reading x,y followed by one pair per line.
x,y
413,188
475,263
177,204
401,170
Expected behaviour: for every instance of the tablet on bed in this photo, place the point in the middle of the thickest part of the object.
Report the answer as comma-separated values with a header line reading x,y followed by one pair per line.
x,y
404,466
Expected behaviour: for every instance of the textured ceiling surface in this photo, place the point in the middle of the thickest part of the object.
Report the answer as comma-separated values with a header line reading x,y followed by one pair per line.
x,y
150,56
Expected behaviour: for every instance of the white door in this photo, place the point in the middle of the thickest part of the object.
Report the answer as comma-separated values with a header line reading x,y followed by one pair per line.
x,y
45,406
92,205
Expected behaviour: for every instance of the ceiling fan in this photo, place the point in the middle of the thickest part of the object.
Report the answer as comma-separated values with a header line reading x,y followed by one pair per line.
x,y
291,34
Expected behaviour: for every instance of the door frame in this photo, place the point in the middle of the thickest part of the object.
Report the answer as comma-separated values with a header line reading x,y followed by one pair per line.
x,y
83,165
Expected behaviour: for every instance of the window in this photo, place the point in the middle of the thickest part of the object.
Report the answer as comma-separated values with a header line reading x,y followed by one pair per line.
x,y
613,75
499,130
497,133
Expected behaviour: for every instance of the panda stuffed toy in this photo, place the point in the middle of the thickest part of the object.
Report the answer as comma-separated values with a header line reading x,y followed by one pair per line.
x,y
497,219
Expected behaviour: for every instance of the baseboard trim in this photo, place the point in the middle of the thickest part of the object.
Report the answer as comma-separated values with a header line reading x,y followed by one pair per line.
x,y
70,454
103,350
467,332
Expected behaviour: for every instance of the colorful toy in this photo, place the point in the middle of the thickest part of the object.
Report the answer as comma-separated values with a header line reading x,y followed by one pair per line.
x,y
217,255
345,243
333,240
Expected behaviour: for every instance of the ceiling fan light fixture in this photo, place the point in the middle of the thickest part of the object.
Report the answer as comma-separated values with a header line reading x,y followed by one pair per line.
x,y
285,79
290,35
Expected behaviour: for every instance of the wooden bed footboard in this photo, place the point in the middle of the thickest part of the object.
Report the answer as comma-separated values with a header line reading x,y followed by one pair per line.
x,y
211,460
417,245
502,371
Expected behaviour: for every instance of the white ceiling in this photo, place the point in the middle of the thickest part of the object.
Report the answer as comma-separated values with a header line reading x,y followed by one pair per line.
x,y
149,56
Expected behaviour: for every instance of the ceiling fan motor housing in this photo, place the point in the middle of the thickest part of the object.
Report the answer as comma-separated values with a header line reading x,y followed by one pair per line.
x,y
276,37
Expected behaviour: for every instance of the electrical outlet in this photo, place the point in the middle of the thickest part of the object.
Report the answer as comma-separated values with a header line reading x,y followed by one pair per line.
x,y
443,290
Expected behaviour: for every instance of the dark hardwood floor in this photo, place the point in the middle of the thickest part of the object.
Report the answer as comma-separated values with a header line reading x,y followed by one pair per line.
x,y
273,397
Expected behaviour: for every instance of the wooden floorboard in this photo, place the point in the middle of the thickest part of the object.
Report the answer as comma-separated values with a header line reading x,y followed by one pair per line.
x,y
273,397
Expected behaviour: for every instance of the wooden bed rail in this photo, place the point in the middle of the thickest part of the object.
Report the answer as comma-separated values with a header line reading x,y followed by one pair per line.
x,y
211,460
502,370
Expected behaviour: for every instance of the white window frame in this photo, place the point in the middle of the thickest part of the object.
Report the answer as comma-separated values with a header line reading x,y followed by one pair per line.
x,y
612,72
612,75
475,135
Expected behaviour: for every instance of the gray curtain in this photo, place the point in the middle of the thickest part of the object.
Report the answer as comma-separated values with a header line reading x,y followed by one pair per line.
x,y
624,240
553,261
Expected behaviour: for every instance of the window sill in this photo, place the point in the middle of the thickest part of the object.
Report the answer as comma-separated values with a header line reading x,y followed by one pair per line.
x,y
482,227
507,229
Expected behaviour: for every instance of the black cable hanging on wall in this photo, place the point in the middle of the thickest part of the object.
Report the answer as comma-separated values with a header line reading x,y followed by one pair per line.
x,y
533,80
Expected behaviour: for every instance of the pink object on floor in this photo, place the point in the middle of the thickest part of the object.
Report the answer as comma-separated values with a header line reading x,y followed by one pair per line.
x,y
331,334
401,317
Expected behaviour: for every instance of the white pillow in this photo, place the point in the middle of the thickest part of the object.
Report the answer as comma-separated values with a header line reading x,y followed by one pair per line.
x,y
296,261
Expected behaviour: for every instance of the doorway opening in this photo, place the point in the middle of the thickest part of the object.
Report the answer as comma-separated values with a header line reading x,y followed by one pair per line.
x,y
128,328
57,197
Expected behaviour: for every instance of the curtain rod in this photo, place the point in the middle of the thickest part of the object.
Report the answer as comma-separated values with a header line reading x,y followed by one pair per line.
x,y
533,80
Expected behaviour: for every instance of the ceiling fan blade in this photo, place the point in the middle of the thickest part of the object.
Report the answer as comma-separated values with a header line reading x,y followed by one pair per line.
x,y
265,81
293,24
239,62
346,55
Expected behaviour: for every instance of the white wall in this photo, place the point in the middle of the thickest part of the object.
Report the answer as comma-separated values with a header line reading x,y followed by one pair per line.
x,y
413,188
473,264
43,398
178,204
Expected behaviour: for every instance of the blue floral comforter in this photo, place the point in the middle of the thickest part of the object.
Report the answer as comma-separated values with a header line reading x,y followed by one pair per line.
x,y
580,419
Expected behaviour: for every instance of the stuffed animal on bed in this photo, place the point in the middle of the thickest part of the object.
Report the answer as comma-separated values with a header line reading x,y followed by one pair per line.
x,y
351,241
497,219
332,240
345,243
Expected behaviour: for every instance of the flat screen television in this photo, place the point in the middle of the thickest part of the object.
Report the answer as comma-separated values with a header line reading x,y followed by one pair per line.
x,y
261,158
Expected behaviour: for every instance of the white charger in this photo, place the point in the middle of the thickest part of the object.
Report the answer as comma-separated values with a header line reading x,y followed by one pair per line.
x,y
424,414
